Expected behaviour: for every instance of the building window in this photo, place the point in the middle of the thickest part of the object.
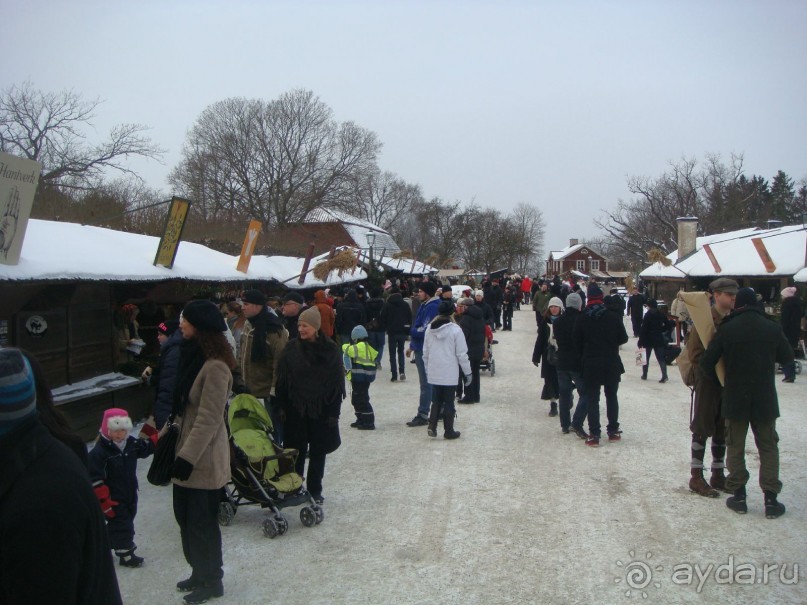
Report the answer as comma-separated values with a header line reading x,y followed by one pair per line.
x,y
595,265
581,266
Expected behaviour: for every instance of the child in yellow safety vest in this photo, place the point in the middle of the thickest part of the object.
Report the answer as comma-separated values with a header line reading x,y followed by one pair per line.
x,y
359,358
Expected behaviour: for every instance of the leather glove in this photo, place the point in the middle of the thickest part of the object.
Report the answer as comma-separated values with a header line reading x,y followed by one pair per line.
x,y
467,379
181,469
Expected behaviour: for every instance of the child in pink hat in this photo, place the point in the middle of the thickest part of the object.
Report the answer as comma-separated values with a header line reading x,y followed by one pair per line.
x,y
113,472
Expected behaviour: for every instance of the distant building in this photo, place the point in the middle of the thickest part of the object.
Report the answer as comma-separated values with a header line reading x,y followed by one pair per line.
x,y
579,261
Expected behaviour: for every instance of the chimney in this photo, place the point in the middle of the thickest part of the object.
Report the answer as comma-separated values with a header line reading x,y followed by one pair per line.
x,y
687,235
573,242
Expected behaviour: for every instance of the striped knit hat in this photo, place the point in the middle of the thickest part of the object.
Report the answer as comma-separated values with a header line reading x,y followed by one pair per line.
x,y
17,389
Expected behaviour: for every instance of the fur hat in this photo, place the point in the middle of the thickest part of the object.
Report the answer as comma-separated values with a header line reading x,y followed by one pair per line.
x,y
17,389
428,287
254,297
168,327
204,315
312,317
789,291
746,297
294,297
573,301
358,333
115,419
555,302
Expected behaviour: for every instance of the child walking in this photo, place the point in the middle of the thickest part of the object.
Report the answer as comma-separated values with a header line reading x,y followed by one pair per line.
x,y
360,356
113,472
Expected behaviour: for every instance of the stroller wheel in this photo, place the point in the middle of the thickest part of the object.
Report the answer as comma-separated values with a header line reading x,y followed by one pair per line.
x,y
226,513
307,516
493,367
319,515
270,529
282,525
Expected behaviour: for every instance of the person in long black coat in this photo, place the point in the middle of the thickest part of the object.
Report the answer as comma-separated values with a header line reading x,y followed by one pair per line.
x,y
166,373
751,345
473,327
636,309
792,313
349,314
570,369
396,319
551,389
598,333
53,542
651,338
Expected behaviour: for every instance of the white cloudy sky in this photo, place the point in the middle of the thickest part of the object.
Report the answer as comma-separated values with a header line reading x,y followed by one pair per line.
x,y
551,103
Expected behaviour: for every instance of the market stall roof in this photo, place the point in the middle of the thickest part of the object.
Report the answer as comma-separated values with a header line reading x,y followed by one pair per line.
x,y
801,276
744,253
68,251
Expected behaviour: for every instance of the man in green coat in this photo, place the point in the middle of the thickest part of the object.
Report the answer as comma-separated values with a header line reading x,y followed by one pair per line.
x,y
751,345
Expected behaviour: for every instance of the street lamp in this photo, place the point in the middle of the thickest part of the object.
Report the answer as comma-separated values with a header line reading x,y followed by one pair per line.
x,y
370,235
589,267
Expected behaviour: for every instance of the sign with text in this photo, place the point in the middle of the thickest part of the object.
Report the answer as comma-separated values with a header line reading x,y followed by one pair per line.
x,y
174,224
248,248
18,181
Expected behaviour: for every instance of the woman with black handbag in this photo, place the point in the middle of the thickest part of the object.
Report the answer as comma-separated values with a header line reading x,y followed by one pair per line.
x,y
542,353
202,465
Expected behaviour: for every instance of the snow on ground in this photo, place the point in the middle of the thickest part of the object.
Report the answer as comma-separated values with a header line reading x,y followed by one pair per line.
x,y
514,512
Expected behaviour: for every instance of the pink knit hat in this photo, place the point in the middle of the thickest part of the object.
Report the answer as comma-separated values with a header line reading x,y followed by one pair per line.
x,y
789,291
114,419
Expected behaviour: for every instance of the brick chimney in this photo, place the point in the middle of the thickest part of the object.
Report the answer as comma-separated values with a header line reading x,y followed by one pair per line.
x,y
687,235
574,242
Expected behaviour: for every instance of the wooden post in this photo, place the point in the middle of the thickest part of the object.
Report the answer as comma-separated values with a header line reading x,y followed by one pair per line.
x,y
308,256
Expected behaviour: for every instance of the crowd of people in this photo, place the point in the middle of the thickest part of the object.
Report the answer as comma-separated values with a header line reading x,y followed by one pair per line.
x,y
272,349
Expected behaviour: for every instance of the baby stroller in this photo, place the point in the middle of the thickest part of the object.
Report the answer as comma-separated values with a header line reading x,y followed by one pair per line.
x,y
488,363
261,472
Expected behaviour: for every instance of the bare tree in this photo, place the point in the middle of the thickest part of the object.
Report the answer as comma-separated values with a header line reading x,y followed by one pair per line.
x,y
525,237
50,127
381,198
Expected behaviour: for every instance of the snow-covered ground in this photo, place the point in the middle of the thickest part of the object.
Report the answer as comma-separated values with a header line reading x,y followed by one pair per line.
x,y
512,512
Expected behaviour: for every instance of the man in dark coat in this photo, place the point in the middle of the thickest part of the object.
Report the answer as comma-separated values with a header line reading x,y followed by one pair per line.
x,y
375,329
396,319
598,333
751,345
570,369
349,314
47,507
652,339
792,314
291,307
496,302
614,302
473,327
165,375
636,310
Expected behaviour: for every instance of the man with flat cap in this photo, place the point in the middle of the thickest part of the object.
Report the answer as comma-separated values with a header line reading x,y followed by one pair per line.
x,y
291,307
706,419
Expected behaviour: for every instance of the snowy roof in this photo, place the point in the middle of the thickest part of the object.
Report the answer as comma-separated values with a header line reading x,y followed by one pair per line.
x,y
68,251
801,276
407,265
357,229
738,253
559,254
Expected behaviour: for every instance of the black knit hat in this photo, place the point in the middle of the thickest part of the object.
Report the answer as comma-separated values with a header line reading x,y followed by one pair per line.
x,y
445,308
168,327
254,297
594,291
293,297
204,315
429,287
746,297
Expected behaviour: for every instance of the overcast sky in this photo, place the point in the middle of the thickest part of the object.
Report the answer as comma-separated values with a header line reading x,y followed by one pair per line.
x,y
549,103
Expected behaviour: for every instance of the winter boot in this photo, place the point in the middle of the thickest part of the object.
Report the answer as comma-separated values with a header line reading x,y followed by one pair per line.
x,y
127,558
188,585
434,415
644,372
737,502
448,425
698,484
773,508
204,592
718,480
553,408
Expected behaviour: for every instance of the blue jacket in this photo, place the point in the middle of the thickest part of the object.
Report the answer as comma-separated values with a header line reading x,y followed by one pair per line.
x,y
166,378
118,469
426,312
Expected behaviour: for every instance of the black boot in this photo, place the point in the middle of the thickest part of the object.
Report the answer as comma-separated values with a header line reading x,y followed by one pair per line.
x,y
737,502
644,372
127,558
553,408
448,425
434,415
204,592
773,508
188,585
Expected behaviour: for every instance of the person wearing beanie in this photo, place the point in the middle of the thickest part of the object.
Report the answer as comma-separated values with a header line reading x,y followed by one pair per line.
x,y
598,334
540,355
707,421
652,338
263,339
164,376
328,316
487,310
310,389
750,345
291,307
470,320
635,308
426,312
45,493
349,314
396,319
540,301
444,349
202,466
372,309
360,358
569,370
614,302
792,313
113,472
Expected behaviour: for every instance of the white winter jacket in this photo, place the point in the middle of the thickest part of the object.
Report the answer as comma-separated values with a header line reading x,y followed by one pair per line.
x,y
444,349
